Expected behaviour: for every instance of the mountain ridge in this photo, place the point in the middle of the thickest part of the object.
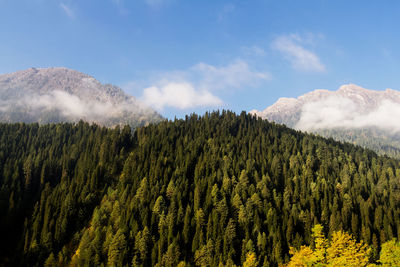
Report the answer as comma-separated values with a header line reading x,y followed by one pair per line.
x,y
343,114
59,94
356,93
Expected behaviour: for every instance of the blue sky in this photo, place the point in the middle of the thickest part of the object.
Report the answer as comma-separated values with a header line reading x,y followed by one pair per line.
x,y
192,56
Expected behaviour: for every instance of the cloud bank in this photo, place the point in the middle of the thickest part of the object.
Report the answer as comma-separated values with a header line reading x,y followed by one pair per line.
x,y
342,112
197,86
62,106
71,106
292,48
179,95
235,75
254,51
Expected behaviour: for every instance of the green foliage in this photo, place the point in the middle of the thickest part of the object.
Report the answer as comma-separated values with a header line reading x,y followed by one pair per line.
x,y
217,190
382,141
51,179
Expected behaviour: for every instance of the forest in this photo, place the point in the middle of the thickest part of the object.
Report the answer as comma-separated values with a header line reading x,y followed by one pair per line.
x,y
381,141
222,189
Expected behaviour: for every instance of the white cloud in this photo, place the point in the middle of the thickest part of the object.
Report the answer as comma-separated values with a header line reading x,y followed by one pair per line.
x,y
4,105
178,95
196,86
328,113
67,10
254,51
71,107
337,112
292,47
235,75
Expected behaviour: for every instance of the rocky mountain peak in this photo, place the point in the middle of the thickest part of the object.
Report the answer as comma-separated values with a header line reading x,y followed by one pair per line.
x,y
61,94
352,113
352,88
349,98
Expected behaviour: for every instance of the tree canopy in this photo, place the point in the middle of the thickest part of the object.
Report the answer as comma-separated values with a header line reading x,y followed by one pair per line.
x,y
215,190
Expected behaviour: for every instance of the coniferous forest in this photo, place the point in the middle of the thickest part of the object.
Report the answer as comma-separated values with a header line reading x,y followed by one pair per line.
x,y
214,190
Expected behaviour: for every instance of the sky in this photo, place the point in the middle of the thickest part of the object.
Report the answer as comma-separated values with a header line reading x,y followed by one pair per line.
x,y
191,56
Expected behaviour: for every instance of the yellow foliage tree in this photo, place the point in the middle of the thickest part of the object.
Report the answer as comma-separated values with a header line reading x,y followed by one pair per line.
x,y
343,250
182,264
251,260
303,257
390,253
320,245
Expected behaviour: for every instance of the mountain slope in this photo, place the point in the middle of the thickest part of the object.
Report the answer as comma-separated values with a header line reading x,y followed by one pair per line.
x,y
204,191
64,95
353,114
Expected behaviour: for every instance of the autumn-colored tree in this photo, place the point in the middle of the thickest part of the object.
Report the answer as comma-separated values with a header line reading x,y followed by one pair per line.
x,y
320,244
251,260
302,257
390,253
343,250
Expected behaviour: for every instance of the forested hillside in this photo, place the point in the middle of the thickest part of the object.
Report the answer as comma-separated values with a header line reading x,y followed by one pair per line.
x,y
201,191
52,177
382,142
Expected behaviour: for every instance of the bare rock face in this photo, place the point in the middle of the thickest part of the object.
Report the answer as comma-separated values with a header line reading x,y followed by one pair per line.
x,y
63,95
353,114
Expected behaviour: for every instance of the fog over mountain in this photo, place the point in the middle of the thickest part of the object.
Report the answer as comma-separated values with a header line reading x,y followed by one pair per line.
x,y
63,95
349,107
351,113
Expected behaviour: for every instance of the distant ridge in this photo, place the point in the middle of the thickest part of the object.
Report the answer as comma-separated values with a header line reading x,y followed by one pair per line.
x,y
289,110
352,113
47,95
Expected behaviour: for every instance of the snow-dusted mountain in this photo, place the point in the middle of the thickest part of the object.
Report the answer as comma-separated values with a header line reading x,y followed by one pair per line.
x,y
366,117
64,95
